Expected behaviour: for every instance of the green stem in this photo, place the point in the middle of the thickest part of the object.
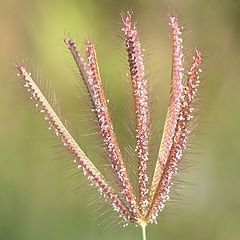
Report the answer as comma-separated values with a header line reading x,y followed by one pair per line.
x,y
143,226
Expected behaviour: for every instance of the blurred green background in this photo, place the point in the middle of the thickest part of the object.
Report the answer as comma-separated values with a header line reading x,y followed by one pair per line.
x,y
37,200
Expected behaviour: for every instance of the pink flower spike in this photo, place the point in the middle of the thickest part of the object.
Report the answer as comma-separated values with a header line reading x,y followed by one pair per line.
x,y
80,159
139,85
82,66
174,105
106,129
181,134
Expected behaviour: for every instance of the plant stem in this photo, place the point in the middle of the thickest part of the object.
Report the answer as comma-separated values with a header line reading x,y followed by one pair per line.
x,y
143,226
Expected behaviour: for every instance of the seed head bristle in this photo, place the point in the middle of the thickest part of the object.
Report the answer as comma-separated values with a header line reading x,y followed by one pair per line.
x,y
140,93
80,159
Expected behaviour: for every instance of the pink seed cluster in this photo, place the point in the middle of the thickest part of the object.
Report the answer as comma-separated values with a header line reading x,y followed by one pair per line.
x,y
82,66
181,134
106,128
140,93
174,104
91,77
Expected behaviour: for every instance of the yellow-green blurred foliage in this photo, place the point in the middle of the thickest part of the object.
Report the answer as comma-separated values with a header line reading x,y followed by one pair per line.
x,y
36,197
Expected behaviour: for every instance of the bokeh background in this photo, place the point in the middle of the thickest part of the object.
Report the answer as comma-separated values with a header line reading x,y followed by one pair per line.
x,y
38,197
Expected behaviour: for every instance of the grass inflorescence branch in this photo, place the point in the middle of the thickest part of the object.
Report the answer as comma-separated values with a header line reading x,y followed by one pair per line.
x,y
80,159
140,93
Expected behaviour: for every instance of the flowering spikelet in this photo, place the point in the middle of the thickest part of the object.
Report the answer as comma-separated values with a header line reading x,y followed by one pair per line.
x,y
82,66
80,159
174,105
91,77
139,83
175,135
106,128
179,140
